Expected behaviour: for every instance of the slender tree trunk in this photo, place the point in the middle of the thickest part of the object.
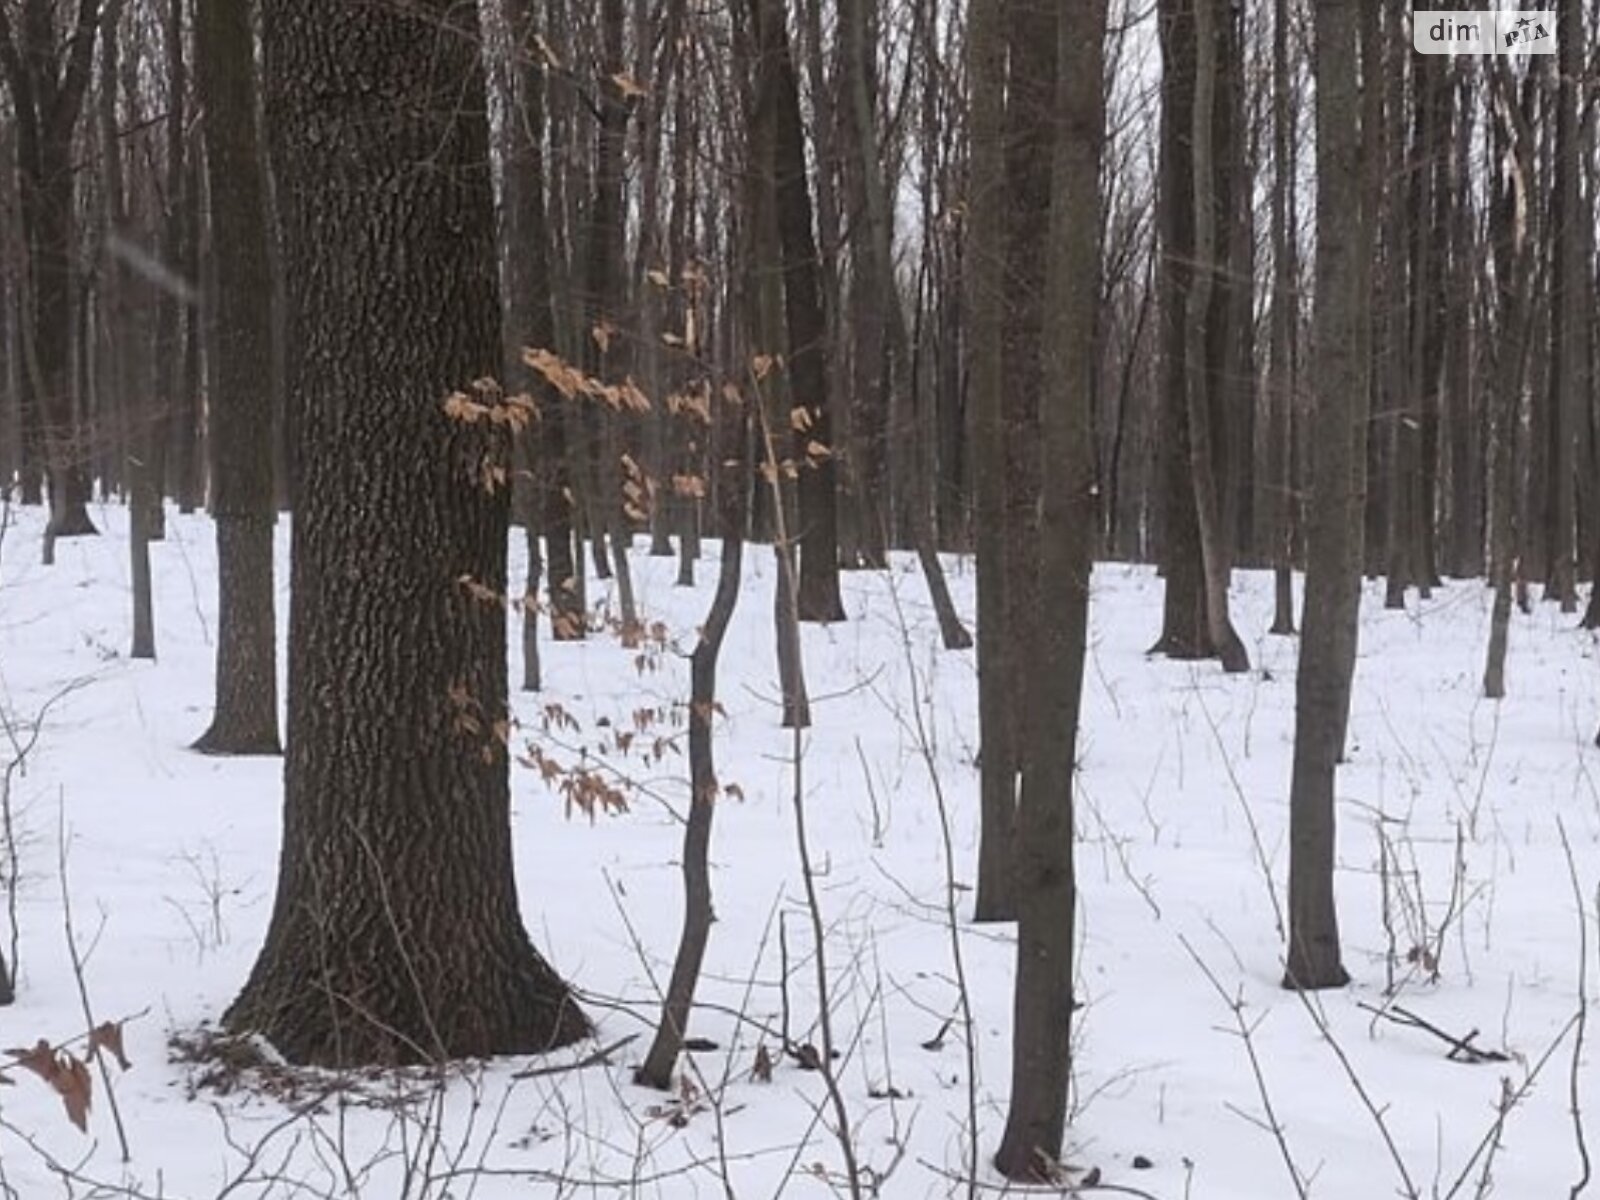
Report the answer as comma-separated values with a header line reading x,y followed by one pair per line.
x,y
1568,322
764,302
1185,631
529,317
1284,322
1333,572
1509,201
705,790
985,308
121,388
605,287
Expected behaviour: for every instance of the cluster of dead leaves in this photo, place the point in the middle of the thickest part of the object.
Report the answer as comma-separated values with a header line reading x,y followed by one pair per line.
x,y
66,1072
489,403
573,383
582,788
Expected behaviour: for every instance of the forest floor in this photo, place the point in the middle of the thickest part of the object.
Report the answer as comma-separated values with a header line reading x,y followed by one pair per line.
x,y
1457,905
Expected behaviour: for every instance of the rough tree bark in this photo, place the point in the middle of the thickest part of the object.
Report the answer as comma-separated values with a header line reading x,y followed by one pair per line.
x,y
396,934
1030,1148
245,720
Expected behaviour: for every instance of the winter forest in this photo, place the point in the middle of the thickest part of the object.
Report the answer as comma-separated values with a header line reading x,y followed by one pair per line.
x,y
783,598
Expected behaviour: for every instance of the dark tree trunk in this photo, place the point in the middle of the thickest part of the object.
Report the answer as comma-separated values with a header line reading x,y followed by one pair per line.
x,y
396,934
705,791
605,287
170,301
530,324
763,300
245,720
985,307
1041,1061
123,386
1285,320
869,288
1568,323
1030,31
1185,633
1512,138
886,341
813,449
1333,569
548,277
187,484
1204,350
47,85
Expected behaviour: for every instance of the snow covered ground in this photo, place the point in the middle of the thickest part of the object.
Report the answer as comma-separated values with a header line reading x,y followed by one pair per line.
x,y
1451,860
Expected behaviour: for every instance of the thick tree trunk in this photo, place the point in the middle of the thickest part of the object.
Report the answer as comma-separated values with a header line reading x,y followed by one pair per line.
x,y
1333,572
396,934
245,720
1041,1061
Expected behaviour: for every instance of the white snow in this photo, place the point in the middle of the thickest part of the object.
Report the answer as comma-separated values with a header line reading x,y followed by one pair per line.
x,y
170,860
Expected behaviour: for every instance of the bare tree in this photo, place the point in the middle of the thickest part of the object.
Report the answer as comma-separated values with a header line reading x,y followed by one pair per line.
x,y
1333,552
985,309
245,720
1030,1148
47,77
1512,141
805,327
705,791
